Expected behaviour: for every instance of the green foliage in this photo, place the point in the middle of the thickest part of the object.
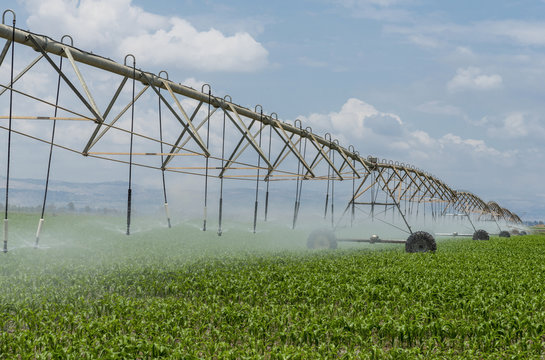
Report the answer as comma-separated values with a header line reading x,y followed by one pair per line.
x,y
185,294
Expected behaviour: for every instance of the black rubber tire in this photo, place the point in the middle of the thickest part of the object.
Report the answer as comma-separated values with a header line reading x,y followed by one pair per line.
x,y
504,234
481,235
420,241
322,239
522,233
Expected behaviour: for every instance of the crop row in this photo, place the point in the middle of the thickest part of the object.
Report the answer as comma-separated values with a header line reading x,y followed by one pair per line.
x,y
469,300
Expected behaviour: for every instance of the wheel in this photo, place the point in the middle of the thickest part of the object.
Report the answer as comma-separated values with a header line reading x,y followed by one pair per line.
x,y
481,235
322,239
420,241
522,233
505,234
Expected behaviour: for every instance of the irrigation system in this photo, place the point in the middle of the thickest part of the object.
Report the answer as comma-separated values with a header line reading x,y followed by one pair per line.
x,y
192,131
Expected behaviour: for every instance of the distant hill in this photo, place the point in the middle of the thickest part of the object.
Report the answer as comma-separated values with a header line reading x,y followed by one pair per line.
x,y
109,195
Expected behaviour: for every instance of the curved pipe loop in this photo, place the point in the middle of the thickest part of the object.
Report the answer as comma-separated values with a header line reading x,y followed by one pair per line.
x,y
209,88
133,59
4,16
223,102
68,37
163,71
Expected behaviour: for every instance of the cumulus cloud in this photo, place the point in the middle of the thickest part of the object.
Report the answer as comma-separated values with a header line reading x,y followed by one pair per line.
x,y
472,78
469,145
514,126
355,120
385,135
119,26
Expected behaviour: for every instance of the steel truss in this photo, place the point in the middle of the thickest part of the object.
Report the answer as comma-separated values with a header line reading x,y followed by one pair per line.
x,y
260,146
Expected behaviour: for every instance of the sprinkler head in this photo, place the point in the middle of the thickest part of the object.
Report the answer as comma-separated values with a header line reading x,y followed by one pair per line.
x,y
374,238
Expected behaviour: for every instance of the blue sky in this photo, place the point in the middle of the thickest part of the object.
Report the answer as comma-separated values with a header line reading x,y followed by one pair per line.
x,y
453,87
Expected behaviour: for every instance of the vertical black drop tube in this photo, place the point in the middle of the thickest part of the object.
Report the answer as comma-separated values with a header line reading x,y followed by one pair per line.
x,y
220,231
327,190
258,166
333,194
353,208
206,164
162,160
268,177
9,135
129,191
50,157
296,205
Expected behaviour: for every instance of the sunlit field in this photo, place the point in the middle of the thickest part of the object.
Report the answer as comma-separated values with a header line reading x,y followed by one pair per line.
x,y
90,291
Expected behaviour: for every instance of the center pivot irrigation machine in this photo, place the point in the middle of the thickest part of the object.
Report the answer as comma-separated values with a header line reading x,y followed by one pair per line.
x,y
151,122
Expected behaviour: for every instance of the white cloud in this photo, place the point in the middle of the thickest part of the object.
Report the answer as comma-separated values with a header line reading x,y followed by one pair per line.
x,y
518,125
439,108
520,32
471,145
464,51
355,120
514,126
513,32
424,41
386,136
119,26
472,78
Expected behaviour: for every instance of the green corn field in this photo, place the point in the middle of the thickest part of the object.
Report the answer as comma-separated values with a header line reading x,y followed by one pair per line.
x,y
92,292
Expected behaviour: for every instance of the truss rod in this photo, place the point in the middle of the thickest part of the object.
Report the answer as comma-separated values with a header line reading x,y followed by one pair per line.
x,y
49,45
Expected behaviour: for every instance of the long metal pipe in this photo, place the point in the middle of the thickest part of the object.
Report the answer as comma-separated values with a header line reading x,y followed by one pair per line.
x,y
57,48
97,61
